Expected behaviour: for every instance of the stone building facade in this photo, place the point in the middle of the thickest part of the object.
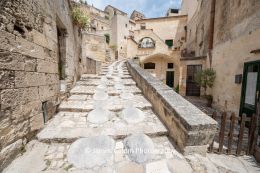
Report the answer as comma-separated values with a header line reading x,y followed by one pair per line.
x,y
40,58
156,42
226,39
136,15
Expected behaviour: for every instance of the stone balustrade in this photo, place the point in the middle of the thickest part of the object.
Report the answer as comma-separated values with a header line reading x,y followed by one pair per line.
x,y
190,128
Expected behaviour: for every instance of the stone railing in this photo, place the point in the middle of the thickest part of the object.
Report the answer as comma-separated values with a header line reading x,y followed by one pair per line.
x,y
190,128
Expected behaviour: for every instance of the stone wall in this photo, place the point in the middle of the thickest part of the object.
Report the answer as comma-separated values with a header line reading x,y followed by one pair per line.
x,y
189,127
198,29
94,46
236,33
29,74
167,28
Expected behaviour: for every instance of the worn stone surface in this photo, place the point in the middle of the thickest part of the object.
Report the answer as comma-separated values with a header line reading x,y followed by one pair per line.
x,y
140,148
91,152
132,115
72,125
99,116
34,157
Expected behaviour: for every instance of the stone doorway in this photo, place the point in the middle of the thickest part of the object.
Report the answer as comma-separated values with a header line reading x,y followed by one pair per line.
x,y
61,34
250,88
192,88
170,78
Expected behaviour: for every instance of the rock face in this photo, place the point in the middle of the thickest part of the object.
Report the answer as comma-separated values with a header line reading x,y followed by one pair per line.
x,y
91,152
139,148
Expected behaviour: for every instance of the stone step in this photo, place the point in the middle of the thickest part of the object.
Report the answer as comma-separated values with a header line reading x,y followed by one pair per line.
x,y
69,126
114,103
110,82
90,90
90,76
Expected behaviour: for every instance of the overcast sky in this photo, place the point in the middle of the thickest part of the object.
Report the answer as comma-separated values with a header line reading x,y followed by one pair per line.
x,y
150,8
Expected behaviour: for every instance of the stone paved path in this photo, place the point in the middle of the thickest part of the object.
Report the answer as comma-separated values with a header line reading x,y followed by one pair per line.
x,y
107,126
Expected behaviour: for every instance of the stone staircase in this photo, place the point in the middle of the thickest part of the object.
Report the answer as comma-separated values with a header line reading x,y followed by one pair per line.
x,y
67,141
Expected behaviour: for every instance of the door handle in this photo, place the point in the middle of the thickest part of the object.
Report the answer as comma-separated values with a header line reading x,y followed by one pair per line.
x,y
257,95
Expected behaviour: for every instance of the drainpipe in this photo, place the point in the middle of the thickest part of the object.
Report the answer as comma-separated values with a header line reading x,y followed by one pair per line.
x,y
211,30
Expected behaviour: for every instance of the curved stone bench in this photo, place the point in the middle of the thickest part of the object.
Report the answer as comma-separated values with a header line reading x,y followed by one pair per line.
x,y
190,128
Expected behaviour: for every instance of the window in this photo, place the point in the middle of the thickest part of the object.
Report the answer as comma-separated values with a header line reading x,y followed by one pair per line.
x,y
175,11
149,65
169,43
146,42
126,25
102,27
170,65
143,26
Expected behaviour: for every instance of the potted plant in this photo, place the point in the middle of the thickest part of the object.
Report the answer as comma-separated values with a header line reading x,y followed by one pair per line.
x,y
205,79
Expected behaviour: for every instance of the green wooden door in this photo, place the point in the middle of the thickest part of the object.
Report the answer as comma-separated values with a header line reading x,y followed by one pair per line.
x,y
250,88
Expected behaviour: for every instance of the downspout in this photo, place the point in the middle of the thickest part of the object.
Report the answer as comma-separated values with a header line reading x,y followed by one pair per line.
x,y
211,30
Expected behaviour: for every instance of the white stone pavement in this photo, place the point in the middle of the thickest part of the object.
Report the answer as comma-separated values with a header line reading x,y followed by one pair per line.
x,y
107,126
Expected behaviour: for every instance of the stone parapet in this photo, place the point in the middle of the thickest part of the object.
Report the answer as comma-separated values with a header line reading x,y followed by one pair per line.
x,y
190,128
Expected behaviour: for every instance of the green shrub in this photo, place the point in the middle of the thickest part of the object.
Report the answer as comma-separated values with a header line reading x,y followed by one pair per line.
x,y
79,18
113,47
177,89
205,78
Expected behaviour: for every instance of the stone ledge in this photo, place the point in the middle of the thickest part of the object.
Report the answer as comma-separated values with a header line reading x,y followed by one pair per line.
x,y
189,127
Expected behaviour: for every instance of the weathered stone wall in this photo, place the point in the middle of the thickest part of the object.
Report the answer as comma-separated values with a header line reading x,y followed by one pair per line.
x,y
198,29
190,128
29,72
167,28
237,33
94,46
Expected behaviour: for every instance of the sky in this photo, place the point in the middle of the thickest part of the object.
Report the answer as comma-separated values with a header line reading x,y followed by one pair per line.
x,y
150,8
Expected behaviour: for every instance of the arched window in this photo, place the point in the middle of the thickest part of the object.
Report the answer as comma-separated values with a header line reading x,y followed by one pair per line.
x,y
146,42
149,65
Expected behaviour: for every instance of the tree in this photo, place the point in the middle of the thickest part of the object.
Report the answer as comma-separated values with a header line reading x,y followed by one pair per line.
x,y
205,78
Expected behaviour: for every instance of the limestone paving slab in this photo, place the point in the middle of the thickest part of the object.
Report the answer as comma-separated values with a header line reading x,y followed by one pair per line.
x,y
69,126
